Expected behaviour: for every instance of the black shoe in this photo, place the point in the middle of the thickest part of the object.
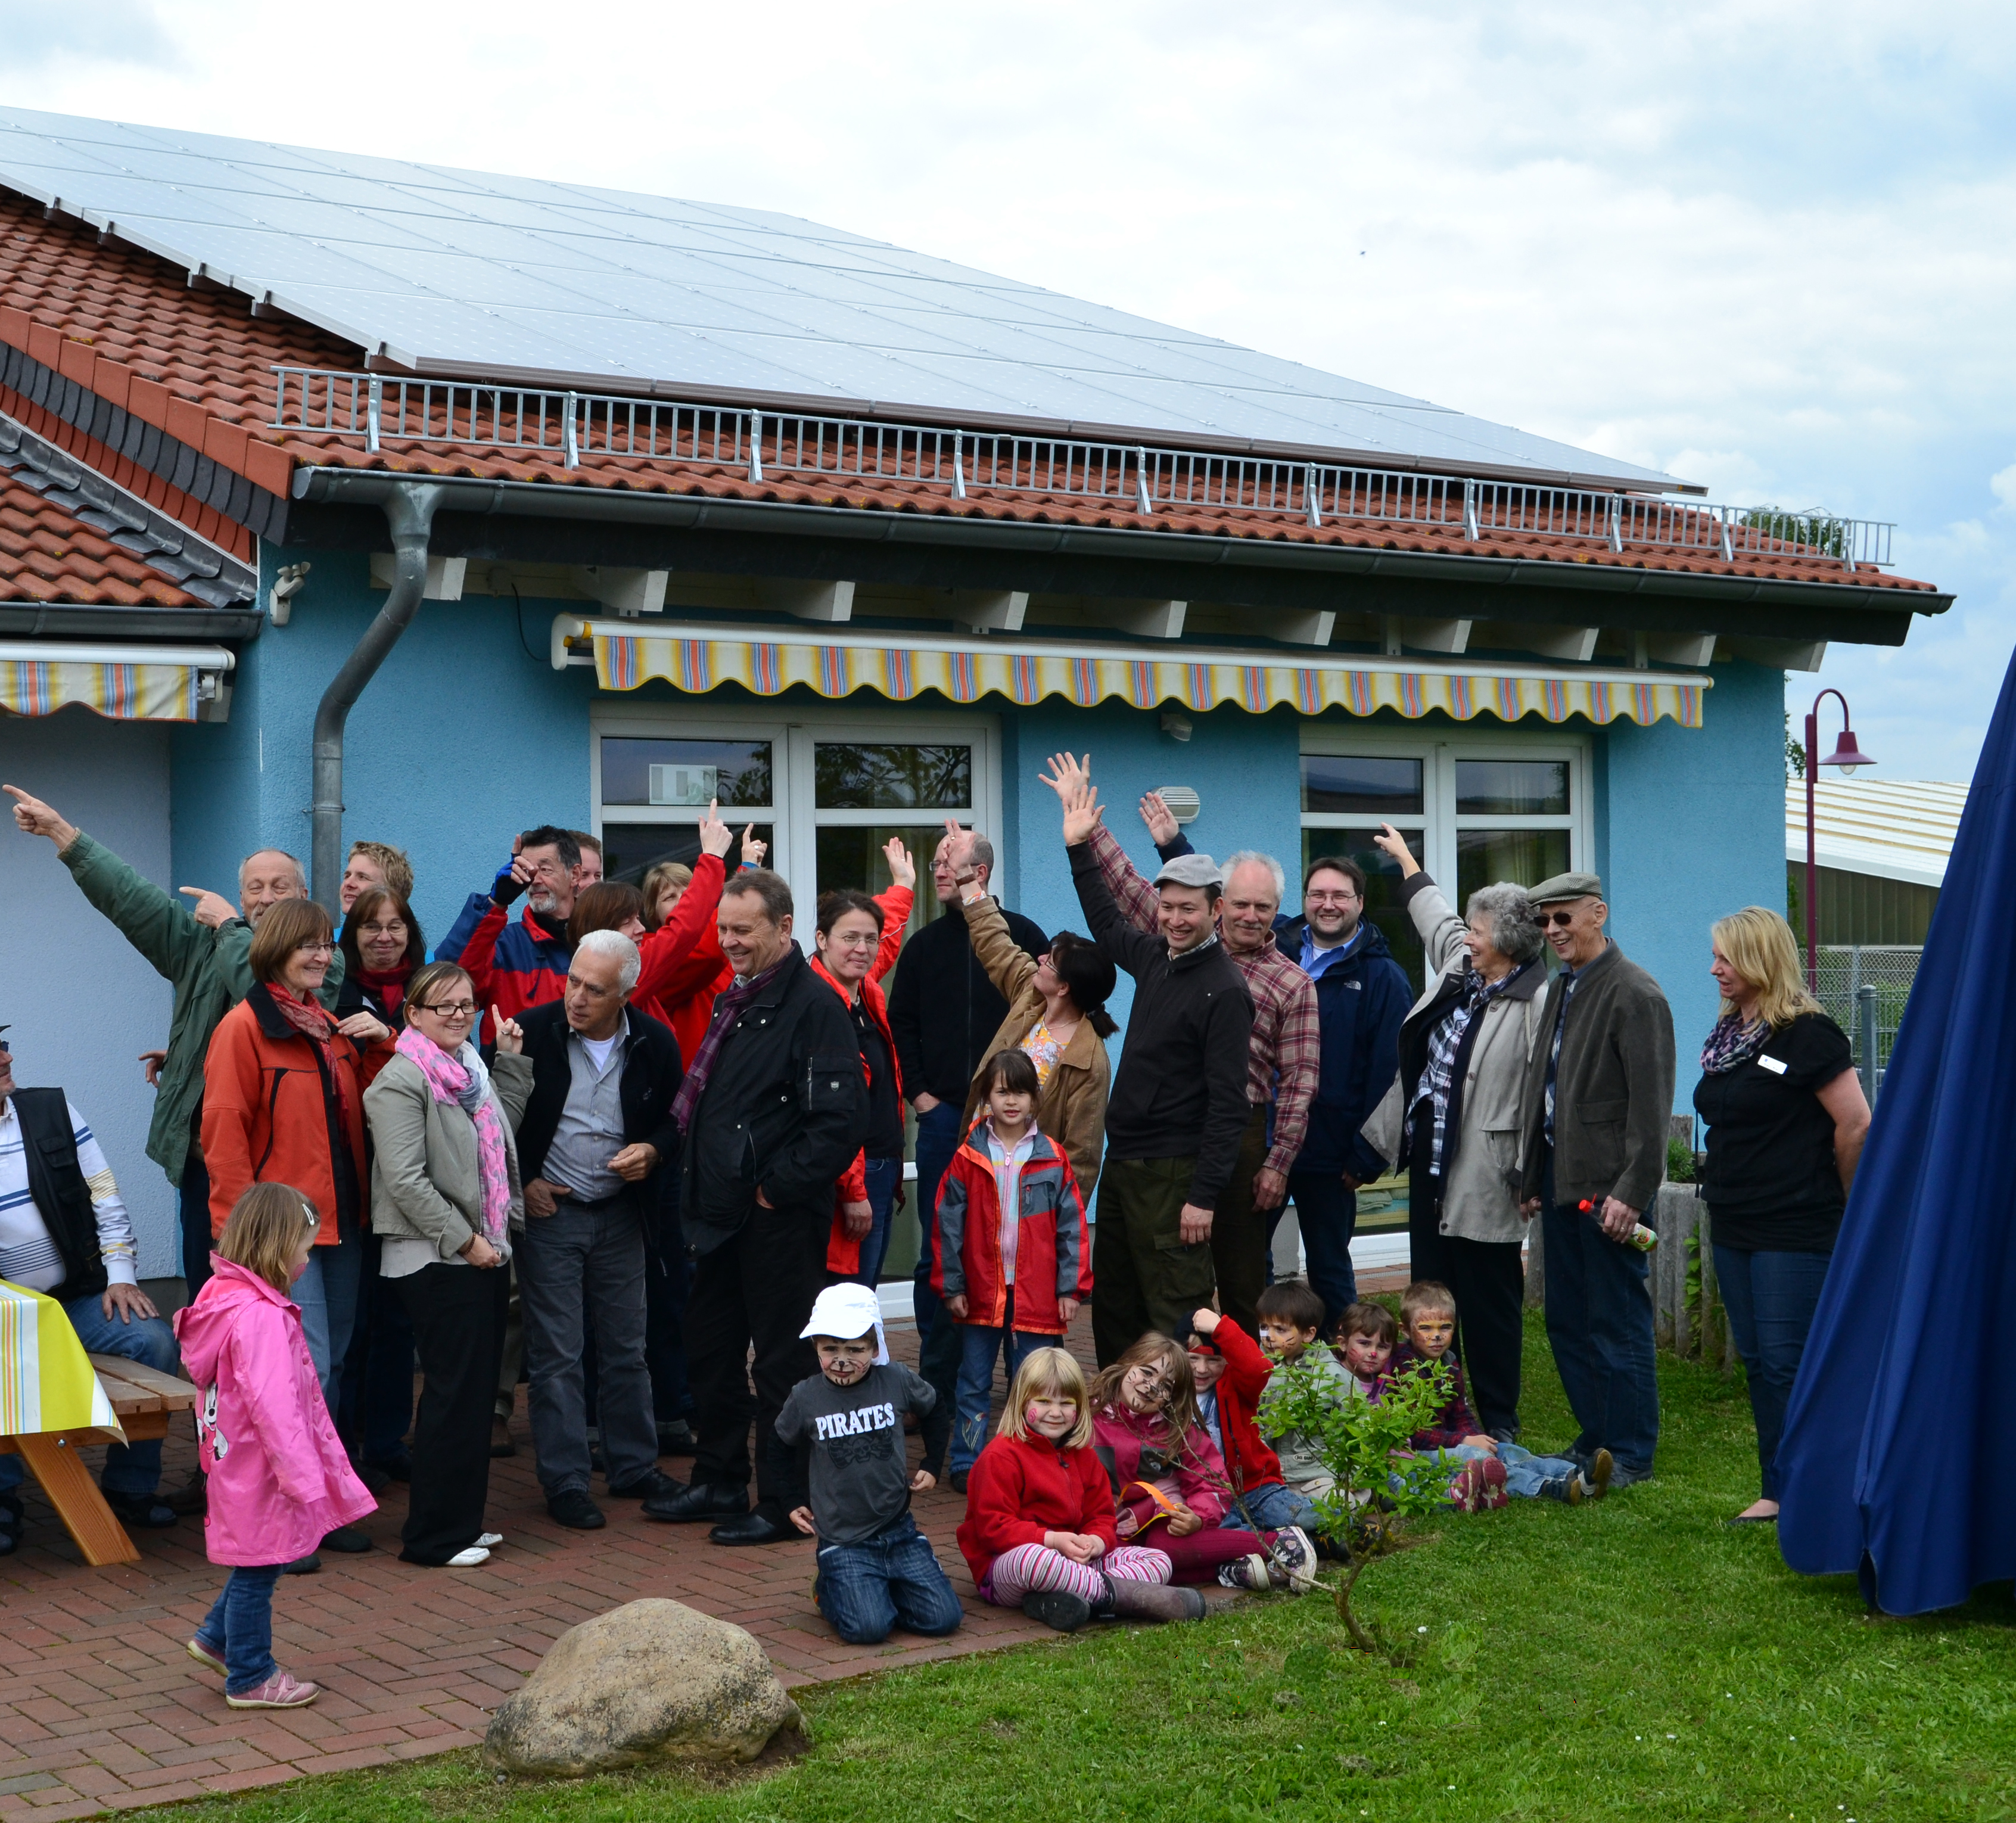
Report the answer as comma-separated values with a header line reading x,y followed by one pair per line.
x,y
677,1438
650,1486
574,1508
959,1481
191,1499
399,1468
700,1502
144,1512
302,1566
1058,1608
375,1479
760,1525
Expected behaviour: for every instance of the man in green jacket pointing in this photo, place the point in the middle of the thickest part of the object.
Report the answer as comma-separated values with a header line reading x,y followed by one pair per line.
x,y
203,950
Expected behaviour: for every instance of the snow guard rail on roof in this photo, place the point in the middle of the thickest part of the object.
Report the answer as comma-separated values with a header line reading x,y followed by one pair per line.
x,y
574,427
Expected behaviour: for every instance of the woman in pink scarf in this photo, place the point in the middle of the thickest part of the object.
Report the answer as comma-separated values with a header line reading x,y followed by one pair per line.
x,y
445,1194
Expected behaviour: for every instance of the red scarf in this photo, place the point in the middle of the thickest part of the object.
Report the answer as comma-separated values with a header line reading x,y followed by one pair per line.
x,y
314,1022
387,986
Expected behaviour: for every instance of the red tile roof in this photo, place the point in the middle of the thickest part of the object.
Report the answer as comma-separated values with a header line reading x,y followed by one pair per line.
x,y
197,364
48,555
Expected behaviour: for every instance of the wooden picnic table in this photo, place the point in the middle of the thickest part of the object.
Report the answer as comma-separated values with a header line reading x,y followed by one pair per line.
x,y
142,1399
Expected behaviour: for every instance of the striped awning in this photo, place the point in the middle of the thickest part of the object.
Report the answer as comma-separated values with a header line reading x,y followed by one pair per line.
x,y
125,684
699,659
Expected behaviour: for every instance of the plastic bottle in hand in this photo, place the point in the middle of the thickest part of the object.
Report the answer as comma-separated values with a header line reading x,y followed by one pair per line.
x,y
1642,1237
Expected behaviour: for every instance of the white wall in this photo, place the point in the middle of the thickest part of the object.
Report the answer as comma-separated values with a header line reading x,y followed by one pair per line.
x,y
81,1003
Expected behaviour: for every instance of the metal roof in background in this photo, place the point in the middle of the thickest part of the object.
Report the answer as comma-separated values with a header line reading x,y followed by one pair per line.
x,y
1895,829
479,276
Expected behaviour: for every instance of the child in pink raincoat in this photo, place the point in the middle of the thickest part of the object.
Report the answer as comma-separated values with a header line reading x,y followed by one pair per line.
x,y
278,1478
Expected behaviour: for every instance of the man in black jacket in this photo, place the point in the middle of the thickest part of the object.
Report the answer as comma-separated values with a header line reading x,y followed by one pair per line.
x,y
773,1109
943,1013
1177,1111
595,1131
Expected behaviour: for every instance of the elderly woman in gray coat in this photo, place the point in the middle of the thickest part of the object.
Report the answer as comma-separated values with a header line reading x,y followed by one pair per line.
x,y
1451,1117
445,1195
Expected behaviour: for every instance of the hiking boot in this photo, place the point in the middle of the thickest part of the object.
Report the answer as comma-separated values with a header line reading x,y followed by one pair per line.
x,y
1057,1609
1245,1573
1479,1487
1293,1558
1595,1478
278,1691
1133,1600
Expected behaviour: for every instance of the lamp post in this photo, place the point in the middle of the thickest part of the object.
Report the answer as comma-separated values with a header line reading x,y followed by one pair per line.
x,y
1847,756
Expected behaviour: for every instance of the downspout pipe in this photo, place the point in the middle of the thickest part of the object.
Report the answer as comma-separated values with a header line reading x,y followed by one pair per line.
x,y
409,510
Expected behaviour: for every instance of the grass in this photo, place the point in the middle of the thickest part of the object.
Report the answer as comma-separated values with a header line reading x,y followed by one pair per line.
x,y
1636,1659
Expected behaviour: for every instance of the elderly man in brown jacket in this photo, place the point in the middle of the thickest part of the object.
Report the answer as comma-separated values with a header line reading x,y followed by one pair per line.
x,y
1599,1094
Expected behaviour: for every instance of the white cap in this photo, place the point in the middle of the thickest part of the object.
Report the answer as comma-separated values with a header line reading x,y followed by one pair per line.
x,y
846,1311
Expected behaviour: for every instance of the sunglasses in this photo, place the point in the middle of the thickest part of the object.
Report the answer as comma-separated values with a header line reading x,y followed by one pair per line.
x,y
1560,920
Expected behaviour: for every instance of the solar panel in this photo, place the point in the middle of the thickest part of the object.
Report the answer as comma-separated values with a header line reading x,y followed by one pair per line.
x,y
518,276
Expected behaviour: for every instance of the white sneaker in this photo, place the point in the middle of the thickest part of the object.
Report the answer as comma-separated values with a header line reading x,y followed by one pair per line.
x,y
1245,1573
469,1559
489,1539
1294,1561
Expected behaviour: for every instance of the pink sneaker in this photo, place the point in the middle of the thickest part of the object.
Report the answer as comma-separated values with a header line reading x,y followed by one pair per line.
x,y
1479,1486
202,1655
278,1691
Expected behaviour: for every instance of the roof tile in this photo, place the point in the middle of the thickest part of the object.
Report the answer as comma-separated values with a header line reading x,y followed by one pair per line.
x,y
47,555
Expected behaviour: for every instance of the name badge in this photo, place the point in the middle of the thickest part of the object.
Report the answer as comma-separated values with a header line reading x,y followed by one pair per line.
x,y
1771,1064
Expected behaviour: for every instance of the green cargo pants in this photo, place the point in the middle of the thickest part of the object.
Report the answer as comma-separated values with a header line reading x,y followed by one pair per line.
x,y
1144,1277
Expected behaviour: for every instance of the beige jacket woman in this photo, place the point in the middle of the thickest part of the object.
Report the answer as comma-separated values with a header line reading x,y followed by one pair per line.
x,y
426,1183
1072,1110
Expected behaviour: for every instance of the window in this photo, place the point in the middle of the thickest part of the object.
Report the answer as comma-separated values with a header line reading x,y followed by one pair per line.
x,y
1474,808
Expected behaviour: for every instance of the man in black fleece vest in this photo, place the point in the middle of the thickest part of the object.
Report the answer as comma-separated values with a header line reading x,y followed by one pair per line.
x,y
1178,1110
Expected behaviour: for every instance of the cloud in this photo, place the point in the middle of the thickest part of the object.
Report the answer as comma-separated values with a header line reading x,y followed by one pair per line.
x,y
2002,485
81,32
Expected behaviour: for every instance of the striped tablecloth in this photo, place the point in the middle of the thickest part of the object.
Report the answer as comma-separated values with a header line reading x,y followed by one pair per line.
x,y
46,1381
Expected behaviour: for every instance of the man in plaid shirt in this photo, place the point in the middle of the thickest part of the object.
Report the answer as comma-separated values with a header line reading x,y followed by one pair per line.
x,y
1282,1064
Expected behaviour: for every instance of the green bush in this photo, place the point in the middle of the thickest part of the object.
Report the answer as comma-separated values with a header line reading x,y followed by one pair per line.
x,y
1680,1162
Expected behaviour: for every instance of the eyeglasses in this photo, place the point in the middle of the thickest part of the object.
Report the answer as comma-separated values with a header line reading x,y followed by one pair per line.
x,y
855,939
1560,920
450,1009
1331,897
325,947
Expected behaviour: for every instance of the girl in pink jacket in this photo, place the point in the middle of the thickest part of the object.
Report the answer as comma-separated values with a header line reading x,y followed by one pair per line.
x,y
279,1480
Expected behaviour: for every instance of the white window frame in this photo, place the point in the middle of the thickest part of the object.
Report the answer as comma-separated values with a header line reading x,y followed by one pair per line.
x,y
793,733
1439,751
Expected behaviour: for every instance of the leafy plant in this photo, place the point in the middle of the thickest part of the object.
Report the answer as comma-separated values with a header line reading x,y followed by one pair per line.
x,y
1365,1446
1813,534
1680,1162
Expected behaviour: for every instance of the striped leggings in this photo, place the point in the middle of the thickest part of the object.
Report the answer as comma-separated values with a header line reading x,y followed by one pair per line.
x,y
1030,1570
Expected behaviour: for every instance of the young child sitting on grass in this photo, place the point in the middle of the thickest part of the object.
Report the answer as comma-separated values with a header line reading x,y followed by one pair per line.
x,y
1038,1532
1013,1263
876,1570
1171,1483
1229,1374
1367,1335
1427,1309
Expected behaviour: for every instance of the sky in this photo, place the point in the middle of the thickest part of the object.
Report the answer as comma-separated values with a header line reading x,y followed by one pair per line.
x,y
1769,248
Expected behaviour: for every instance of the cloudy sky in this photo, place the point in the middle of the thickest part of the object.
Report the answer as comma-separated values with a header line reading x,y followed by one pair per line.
x,y
1771,248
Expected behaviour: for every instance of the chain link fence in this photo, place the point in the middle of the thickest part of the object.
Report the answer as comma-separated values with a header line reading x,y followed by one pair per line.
x,y
1864,987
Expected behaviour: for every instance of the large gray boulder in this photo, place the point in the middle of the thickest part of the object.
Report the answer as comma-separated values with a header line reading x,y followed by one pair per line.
x,y
651,1680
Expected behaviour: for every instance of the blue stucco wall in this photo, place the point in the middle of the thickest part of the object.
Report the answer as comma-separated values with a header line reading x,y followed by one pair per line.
x,y
1691,826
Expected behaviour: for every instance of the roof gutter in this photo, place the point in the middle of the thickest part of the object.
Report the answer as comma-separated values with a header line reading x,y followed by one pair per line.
x,y
690,512
43,620
409,510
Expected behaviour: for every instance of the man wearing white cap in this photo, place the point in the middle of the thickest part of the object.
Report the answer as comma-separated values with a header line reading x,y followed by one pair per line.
x,y
877,1571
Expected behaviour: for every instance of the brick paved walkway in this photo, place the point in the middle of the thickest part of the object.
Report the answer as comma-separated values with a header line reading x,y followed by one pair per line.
x,y
100,1707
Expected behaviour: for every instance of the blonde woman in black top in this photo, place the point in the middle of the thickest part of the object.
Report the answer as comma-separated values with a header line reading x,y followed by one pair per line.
x,y
1786,1120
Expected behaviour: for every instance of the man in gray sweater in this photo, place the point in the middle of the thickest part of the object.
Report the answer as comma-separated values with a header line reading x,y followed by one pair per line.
x,y
1599,1094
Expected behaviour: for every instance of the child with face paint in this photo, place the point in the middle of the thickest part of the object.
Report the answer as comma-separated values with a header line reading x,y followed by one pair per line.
x,y
877,1571
1038,1532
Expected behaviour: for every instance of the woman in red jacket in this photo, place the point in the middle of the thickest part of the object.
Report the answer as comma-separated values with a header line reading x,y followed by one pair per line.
x,y
1038,1529
283,1103
857,943
682,966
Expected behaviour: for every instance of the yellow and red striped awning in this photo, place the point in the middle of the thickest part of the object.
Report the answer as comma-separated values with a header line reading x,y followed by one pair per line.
x,y
699,659
123,684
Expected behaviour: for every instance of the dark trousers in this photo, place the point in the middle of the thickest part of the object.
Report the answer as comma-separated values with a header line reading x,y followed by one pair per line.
x,y
1239,1232
753,1291
457,1315
1326,1211
1770,1298
376,1400
1488,1283
1599,1327
1144,1276
939,1136
195,1211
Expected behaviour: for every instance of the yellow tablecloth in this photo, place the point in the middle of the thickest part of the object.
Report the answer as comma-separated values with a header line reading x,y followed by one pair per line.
x,y
46,1381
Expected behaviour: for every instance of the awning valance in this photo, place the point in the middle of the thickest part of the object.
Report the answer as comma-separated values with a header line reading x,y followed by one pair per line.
x,y
698,659
127,684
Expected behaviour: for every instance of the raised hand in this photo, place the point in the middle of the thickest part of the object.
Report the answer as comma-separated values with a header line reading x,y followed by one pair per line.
x,y
1072,783
1066,769
902,868
958,847
1160,819
510,1034
33,817
754,848
209,909
1389,841
716,838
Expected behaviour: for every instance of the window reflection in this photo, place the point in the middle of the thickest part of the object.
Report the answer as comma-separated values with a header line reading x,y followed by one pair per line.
x,y
1512,788
685,773
892,775
1343,782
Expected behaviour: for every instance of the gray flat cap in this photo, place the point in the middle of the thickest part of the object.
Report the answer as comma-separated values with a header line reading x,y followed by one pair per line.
x,y
1565,886
1190,870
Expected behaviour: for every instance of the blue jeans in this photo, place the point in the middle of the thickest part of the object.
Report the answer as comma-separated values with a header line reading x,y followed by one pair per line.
x,y
1273,1505
131,1470
1599,1327
1525,1473
239,1628
884,1175
1770,1298
939,1136
1327,1213
327,1294
894,1580
973,1399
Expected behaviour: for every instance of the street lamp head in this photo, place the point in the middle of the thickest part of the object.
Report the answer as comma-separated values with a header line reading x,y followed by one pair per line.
x,y
1847,755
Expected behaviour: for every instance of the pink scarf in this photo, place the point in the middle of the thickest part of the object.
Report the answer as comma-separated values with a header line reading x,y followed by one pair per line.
x,y
453,1081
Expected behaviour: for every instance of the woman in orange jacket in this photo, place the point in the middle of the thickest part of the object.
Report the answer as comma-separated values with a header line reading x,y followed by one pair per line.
x,y
283,1103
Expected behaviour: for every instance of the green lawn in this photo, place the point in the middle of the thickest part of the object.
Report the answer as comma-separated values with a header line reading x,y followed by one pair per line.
x,y
1634,1660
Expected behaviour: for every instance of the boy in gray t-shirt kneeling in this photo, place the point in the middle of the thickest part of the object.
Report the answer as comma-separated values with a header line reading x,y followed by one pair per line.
x,y
876,1570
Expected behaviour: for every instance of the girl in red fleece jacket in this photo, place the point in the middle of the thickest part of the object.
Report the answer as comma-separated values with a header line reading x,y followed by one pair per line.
x,y
1039,1531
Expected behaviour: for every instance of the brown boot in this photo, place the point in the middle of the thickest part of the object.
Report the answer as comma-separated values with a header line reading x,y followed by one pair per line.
x,y
1133,1601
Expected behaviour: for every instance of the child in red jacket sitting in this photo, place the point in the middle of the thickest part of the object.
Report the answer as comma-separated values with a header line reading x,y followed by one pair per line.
x,y
1012,1264
1228,1373
1039,1531
1172,1480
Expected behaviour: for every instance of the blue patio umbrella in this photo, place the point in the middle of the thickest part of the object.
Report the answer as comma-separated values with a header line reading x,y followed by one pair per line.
x,y
1897,1462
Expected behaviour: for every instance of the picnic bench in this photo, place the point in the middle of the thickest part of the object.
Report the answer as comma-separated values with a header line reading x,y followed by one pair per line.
x,y
141,1399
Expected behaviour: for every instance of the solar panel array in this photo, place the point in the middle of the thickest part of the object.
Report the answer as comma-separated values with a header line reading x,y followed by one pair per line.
x,y
505,277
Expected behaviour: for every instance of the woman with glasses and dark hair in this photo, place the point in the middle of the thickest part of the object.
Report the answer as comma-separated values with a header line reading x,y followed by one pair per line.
x,y
445,1194
382,946
283,1103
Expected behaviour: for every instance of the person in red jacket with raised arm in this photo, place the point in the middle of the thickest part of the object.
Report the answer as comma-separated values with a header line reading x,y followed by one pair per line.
x,y
1230,1372
1039,1531
680,951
